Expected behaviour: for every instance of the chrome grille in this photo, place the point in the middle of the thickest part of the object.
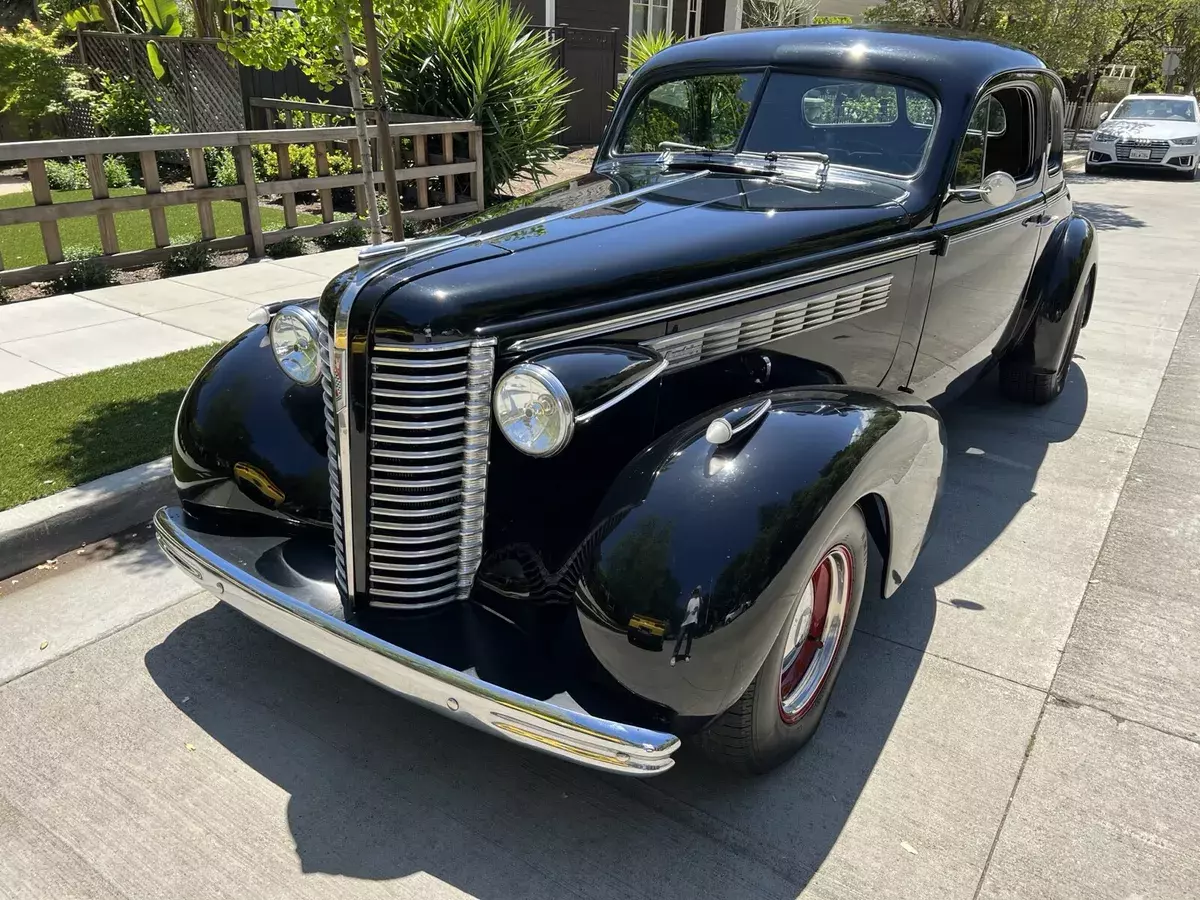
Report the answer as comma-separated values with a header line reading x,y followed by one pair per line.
x,y
768,325
430,417
1158,149
331,445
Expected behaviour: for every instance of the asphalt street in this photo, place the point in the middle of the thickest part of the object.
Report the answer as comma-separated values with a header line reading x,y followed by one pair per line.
x,y
1021,721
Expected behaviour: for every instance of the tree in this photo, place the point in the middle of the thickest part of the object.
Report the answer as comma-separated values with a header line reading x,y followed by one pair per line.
x,y
33,81
325,39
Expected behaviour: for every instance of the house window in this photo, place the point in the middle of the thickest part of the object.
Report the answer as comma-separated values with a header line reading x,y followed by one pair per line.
x,y
773,13
692,25
649,17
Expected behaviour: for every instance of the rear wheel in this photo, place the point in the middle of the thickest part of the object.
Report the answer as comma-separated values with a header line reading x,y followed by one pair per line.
x,y
781,709
1020,382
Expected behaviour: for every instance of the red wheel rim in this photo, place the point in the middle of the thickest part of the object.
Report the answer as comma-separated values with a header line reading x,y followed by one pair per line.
x,y
814,633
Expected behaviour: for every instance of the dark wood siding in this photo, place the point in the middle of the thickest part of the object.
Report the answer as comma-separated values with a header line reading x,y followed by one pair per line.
x,y
602,14
535,9
712,16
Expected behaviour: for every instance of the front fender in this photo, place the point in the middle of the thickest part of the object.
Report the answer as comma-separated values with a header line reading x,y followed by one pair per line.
x,y
250,442
1058,284
743,523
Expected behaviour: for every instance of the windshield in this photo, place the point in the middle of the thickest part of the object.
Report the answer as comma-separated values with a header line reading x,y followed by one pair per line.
x,y
865,124
1156,108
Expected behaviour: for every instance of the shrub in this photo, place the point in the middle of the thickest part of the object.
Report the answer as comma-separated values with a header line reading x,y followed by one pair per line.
x,y
5,297
474,59
833,20
33,82
116,173
350,234
189,258
293,245
87,272
266,163
121,108
221,166
66,175
640,48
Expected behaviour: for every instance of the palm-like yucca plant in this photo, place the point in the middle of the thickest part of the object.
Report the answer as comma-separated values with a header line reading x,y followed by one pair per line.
x,y
476,59
639,49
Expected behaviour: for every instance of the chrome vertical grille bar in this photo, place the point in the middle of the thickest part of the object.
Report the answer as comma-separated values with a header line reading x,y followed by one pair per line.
x,y
429,420
333,451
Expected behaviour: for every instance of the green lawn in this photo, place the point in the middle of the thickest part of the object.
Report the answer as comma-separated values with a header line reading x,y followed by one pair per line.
x,y
21,245
63,433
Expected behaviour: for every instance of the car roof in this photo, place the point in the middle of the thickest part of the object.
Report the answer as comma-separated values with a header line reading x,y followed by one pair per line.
x,y
938,57
1159,97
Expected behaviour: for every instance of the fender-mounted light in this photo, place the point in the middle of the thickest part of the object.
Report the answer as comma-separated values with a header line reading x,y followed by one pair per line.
x,y
293,335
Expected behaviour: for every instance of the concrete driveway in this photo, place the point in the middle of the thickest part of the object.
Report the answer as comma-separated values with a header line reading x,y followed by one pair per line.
x,y
1022,720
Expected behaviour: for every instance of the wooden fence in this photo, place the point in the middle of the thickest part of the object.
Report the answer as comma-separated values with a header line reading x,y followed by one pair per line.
x,y
443,160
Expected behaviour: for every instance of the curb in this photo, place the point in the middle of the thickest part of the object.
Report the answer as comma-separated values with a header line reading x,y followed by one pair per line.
x,y
43,529
1073,164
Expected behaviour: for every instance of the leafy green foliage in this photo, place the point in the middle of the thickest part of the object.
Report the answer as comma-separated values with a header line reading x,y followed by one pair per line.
x,y
190,257
67,175
221,166
292,245
707,110
88,271
833,20
311,36
33,81
639,49
116,173
474,59
351,234
121,108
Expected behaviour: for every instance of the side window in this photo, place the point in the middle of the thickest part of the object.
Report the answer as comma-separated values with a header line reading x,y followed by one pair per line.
x,y
999,138
1056,132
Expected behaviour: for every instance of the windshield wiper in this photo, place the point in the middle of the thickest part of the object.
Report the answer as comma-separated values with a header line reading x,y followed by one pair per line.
x,y
813,168
677,145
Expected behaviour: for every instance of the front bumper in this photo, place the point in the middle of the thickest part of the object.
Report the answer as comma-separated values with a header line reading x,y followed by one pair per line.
x,y
1177,157
248,577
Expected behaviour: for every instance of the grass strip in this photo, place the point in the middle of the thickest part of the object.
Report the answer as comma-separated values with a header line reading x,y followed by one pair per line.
x,y
21,245
67,432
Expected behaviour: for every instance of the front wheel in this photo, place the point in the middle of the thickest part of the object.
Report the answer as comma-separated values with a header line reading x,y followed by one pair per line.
x,y
781,709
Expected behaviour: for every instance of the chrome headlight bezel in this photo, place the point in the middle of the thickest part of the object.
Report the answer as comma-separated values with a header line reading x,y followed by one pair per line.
x,y
555,390
306,371
1187,141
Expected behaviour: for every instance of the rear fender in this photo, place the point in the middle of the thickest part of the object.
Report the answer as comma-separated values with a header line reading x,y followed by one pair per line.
x,y
742,523
1058,285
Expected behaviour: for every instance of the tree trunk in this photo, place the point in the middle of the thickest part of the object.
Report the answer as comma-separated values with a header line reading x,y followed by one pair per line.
x,y
387,159
364,138
109,14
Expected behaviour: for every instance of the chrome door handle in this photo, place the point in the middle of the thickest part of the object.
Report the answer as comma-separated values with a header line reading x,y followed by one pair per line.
x,y
1041,220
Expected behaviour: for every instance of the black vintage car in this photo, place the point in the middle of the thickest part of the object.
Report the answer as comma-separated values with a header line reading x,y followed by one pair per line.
x,y
607,464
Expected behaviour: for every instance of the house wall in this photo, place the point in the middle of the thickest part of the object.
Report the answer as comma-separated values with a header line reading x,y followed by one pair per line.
x,y
535,9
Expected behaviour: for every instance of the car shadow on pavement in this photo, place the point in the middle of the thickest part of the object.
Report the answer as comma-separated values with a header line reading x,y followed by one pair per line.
x,y
1108,216
380,789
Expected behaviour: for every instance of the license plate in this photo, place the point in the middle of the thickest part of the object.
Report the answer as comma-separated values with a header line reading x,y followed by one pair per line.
x,y
1143,153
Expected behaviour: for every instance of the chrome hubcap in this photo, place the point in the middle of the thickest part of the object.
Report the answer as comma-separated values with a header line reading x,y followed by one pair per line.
x,y
814,634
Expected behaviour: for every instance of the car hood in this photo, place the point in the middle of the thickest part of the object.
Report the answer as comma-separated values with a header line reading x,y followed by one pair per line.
x,y
1148,129
608,241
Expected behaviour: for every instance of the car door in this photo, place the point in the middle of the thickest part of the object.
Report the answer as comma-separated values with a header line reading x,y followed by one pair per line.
x,y
986,251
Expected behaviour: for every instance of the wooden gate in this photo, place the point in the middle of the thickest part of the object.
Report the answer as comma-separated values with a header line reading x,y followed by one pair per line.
x,y
592,59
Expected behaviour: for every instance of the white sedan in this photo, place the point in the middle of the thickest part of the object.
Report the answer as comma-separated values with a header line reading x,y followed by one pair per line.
x,y
1159,130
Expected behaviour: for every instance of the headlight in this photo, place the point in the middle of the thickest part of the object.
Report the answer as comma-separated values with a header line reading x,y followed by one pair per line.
x,y
1104,137
294,342
533,410
1184,141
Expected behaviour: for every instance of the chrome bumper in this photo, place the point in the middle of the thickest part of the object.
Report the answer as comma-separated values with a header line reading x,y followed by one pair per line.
x,y
562,732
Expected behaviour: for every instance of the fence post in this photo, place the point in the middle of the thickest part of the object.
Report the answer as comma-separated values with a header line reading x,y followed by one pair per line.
x,y
476,139
158,215
200,180
251,220
448,158
105,220
326,194
51,241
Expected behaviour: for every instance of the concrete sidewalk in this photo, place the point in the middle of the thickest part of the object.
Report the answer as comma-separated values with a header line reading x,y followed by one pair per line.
x,y
41,340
